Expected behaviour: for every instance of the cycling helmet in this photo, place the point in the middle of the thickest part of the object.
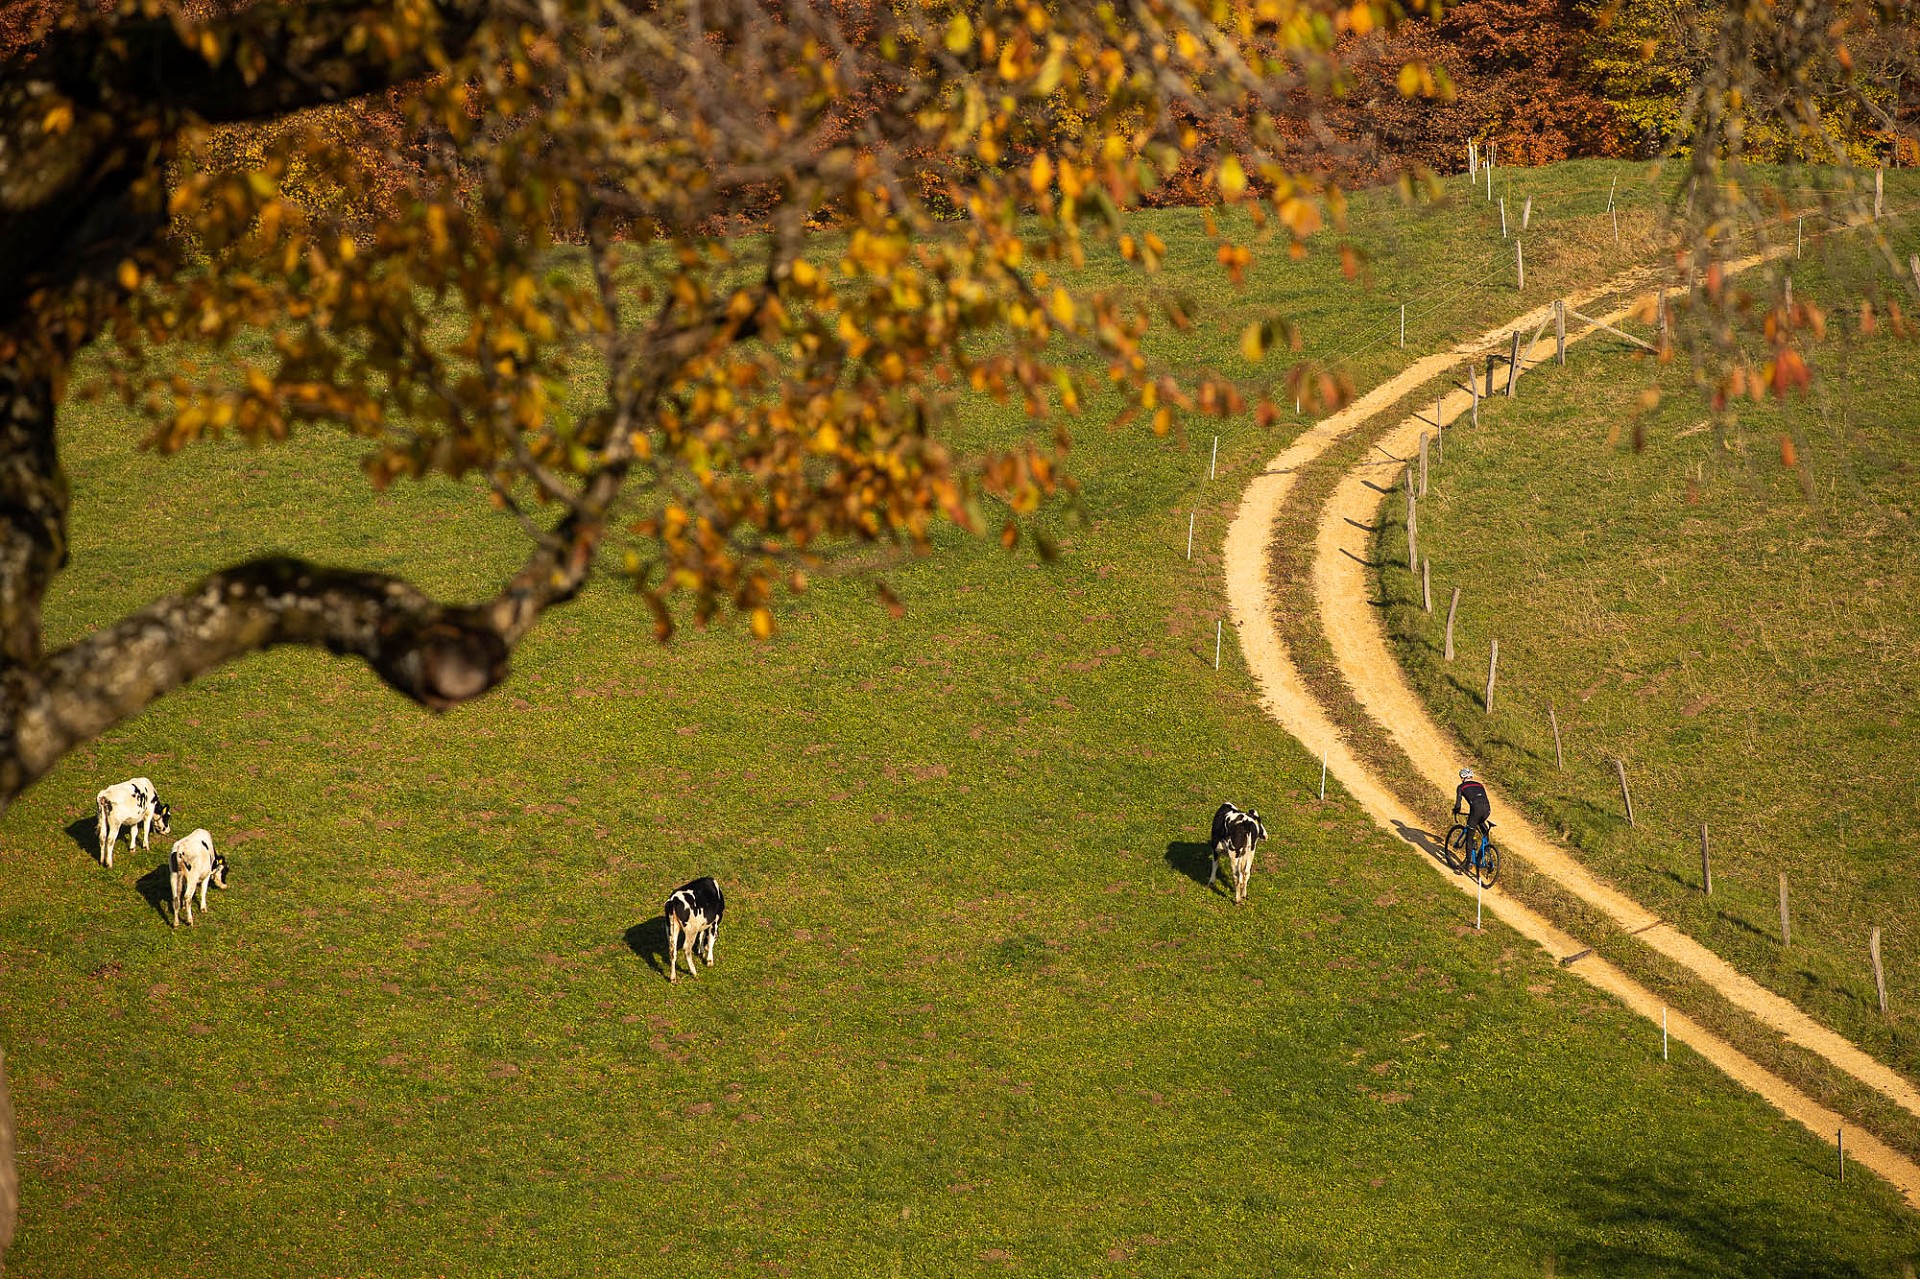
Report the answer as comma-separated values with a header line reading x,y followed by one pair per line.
x,y
1466,774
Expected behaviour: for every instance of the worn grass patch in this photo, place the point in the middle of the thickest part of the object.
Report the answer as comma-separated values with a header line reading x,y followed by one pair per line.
x,y
974,1010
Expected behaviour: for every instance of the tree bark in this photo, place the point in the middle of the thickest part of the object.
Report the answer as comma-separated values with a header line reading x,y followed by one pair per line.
x,y
33,511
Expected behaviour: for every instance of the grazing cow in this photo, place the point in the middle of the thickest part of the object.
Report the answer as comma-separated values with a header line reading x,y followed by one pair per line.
x,y
1234,836
693,914
193,865
133,806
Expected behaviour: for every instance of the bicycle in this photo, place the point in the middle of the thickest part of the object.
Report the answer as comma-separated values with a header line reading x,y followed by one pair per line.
x,y
1482,863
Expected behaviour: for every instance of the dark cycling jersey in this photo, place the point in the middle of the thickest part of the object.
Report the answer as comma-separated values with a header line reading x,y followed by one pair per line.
x,y
1474,796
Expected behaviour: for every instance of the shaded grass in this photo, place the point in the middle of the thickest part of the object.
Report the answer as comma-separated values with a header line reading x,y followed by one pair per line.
x,y
972,1010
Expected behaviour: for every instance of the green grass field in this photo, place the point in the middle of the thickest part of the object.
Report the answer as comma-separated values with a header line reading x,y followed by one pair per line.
x,y
974,1012
1743,635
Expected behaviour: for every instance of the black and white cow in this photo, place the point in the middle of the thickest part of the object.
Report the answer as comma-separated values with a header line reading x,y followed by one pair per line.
x,y
1234,836
133,806
192,866
693,915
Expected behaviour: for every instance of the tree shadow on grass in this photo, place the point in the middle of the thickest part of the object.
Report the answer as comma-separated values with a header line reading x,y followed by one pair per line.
x,y
156,889
1652,1220
1194,860
649,941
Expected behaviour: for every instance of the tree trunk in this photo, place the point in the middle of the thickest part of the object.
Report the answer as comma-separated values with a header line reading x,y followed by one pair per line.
x,y
33,511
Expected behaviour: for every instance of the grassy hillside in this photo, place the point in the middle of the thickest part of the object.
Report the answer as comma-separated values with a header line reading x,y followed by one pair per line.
x,y
974,1010
1742,634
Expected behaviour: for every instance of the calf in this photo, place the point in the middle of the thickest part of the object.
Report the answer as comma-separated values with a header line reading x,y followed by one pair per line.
x,y
693,914
1235,835
193,865
133,806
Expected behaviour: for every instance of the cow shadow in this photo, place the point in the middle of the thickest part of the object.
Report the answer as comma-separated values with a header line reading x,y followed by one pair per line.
x,y
649,942
85,832
1194,860
156,889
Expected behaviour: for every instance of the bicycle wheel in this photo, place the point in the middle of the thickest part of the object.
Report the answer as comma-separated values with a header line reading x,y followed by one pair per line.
x,y
1489,865
1455,849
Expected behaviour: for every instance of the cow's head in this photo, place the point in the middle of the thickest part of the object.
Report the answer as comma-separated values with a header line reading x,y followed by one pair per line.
x,y
219,875
1259,827
163,818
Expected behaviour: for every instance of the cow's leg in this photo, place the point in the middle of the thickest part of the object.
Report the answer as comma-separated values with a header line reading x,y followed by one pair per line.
x,y
1213,866
173,893
673,947
713,932
203,891
693,948
113,837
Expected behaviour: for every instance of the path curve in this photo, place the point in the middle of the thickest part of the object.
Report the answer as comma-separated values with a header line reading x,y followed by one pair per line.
x,y
1354,628
1283,694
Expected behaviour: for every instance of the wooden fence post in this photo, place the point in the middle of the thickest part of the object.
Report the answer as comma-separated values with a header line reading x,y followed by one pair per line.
x,y
1190,518
1799,234
1452,608
1493,668
1214,461
1403,324
1559,760
1879,186
1423,464
1413,532
1513,364
1706,863
1503,217
1473,385
1913,265
1426,584
1526,213
1560,331
1439,439
1786,923
1879,974
1616,227
1520,267
1626,796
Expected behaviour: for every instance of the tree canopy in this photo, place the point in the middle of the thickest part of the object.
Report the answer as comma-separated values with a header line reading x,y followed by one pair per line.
x,y
810,231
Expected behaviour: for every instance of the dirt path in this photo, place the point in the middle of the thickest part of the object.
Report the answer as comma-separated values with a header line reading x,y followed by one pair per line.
x,y
1342,594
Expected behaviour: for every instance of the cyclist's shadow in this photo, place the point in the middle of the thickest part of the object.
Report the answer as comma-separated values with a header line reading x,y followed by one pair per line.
x,y
1426,841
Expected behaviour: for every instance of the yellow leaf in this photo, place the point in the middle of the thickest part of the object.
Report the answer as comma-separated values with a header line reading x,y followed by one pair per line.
x,y
1409,80
58,120
129,275
1233,178
1041,175
762,624
1253,343
1060,306
959,34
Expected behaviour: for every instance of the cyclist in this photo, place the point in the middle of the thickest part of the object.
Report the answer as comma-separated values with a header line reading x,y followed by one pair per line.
x,y
1473,796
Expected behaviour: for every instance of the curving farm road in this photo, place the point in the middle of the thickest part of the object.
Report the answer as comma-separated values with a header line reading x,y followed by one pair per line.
x,y
1342,596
